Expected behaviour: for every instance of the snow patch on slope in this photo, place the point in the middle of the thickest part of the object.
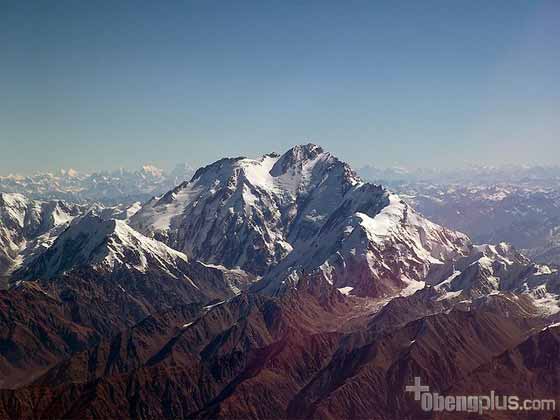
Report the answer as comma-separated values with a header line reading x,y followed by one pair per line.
x,y
104,244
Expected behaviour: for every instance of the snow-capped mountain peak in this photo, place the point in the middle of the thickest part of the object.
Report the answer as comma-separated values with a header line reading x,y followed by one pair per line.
x,y
374,244
277,215
153,171
12,209
27,226
500,270
112,255
248,212
103,245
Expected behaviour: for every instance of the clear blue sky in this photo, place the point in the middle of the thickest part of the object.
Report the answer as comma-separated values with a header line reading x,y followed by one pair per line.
x,y
105,84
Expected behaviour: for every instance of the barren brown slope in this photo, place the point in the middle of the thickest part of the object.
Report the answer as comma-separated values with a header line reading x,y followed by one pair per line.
x,y
530,370
262,357
203,364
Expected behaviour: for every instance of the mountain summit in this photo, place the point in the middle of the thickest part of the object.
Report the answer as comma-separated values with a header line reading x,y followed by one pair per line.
x,y
281,216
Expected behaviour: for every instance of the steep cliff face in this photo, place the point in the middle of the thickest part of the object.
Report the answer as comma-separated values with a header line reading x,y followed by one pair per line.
x,y
304,211
27,227
145,268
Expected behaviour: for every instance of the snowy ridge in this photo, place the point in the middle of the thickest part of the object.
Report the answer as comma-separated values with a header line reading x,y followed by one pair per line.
x,y
249,212
390,251
27,226
117,253
429,240
501,270
304,211
104,245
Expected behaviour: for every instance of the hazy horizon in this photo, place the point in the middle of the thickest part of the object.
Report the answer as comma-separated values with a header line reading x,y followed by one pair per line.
x,y
371,165
98,86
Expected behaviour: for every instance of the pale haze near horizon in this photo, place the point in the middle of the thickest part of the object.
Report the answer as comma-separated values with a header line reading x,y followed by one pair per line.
x,y
96,87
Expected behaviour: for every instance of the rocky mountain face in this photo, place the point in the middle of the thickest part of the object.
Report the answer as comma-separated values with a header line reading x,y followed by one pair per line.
x,y
304,211
155,275
278,287
288,357
378,254
249,213
97,278
37,331
529,368
499,269
29,226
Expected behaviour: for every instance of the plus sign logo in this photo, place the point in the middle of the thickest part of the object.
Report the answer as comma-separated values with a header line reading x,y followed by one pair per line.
x,y
417,388
433,401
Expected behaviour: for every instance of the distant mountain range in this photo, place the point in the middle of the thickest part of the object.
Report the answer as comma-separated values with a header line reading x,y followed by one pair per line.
x,y
109,187
519,205
284,286
466,175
